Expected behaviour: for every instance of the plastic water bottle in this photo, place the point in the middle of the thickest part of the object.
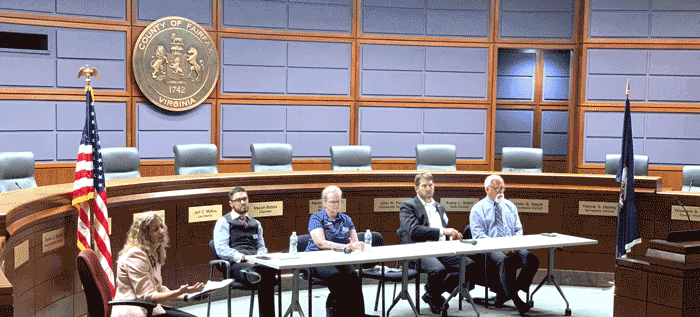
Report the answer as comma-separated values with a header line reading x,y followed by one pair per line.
x,y
368,241
293,240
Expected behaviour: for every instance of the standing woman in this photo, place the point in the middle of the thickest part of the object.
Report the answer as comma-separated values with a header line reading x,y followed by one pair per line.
x,y
330,229
138,270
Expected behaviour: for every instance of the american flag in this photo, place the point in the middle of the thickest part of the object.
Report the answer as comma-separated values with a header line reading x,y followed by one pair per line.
x,y
89,191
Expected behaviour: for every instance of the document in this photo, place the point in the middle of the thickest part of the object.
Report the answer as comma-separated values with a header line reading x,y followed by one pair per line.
x,y
208,288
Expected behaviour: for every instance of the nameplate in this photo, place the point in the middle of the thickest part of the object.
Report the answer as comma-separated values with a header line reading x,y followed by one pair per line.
x,y
458,204
266,209
597,208
316,205
21,253
160,213
540,206
388,204
205,213
52,240
677,213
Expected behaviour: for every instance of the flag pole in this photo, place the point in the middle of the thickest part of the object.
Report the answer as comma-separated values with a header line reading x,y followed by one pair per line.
x,y
87,71
627,91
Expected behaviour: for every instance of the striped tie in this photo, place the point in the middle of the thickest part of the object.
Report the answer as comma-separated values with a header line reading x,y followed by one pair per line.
x,y
499,221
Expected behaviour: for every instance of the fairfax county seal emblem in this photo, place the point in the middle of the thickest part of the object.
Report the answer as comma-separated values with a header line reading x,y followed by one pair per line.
x,y
175,63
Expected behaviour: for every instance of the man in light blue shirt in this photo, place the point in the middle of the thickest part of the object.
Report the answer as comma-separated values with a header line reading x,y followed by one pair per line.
x,y
493,217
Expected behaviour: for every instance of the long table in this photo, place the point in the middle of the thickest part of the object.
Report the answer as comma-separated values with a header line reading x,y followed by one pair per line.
x,y
407,252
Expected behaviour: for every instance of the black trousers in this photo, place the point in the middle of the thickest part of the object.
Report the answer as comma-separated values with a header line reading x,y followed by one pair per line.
x,y
443,273
174,312
346,289
266,286
505,268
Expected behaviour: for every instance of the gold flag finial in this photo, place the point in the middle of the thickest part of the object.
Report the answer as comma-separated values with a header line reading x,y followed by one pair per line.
x,y
87,71
627,93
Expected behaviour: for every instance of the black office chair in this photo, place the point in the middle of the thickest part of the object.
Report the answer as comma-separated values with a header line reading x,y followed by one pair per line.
x,y
224,267
382,277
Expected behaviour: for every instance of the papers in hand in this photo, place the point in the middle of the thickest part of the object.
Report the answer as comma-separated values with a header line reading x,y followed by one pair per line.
x,y
210,287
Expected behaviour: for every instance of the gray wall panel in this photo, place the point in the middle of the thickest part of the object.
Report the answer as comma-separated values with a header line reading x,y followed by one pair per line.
x,y
93,8
254,52
28,71
613,87
159,144
317,54
674,62
318,118
320,17
458,5
674,89
306,144
415,4
112,74
607,24
42,144
515,88
555,121
67,143
152,118
619,4
463,85
28,115
196,10
595,149
90,44
392,145
516,64
260,14
609,124
343,2
455,121
628,62
554,144
469,146
673,126
70,116
514,121
673,152
680,5
508,139
253,118
237,144
676,24
550,25
392,83
556,64
318,81
456,59
455,23
254,79
23,5
377,119
555,89
392,57
537,5
393,21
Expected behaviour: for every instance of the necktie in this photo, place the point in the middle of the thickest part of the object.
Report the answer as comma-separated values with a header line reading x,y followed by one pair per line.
x,y
499,220
244,221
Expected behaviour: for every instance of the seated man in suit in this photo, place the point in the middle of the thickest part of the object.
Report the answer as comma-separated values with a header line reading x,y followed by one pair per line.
x,y
237,238
492,217
424,219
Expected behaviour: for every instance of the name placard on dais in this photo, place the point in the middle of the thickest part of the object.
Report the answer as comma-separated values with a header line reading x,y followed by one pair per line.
x,y
52,240
316,205
677,213
266,209
388,204
205,213
458,204
597,208
532,205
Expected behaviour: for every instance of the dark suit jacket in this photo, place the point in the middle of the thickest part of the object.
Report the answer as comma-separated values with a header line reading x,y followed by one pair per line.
x,y
415,224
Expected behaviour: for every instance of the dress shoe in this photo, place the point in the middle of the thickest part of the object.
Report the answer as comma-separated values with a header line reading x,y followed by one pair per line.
x,y
500,301
522,307
252,276
437,304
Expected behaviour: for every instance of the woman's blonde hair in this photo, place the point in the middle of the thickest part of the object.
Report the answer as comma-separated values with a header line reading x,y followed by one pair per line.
x,y
138,237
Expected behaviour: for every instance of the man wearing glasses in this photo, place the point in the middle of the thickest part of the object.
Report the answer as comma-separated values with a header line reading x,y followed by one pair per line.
x,y
238,238
492,217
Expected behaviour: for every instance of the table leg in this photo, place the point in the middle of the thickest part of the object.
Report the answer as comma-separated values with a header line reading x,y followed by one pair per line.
x,y
294,305
404,291
463,287
550,278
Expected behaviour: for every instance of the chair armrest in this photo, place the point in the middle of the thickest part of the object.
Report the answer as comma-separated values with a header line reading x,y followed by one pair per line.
x,y
225,263
149,306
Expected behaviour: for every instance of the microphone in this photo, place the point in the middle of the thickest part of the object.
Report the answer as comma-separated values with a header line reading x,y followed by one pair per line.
x,y
686,210
691,184
343,250
470,241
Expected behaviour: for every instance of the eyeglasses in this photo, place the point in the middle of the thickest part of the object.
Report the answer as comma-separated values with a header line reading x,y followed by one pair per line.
x,y
333,202
498,189
240,200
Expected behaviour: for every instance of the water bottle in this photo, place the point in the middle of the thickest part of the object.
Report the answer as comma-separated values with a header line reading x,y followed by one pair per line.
x,y
293,240
368,241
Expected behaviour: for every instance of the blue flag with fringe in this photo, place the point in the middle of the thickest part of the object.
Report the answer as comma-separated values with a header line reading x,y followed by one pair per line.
x,y
627,226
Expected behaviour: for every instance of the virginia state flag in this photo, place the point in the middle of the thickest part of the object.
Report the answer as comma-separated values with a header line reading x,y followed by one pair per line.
x,y
627,226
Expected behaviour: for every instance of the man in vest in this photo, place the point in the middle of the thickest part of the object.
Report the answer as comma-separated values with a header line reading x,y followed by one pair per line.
x,y
238,238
